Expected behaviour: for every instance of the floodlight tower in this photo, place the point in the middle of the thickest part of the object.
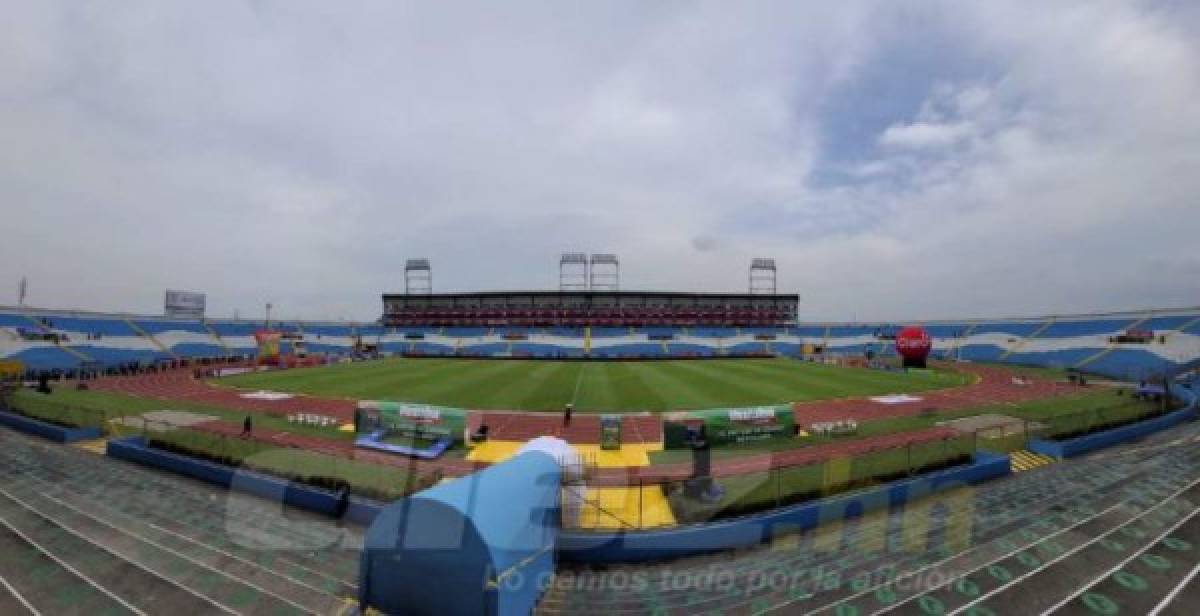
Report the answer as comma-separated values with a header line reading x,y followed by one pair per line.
x,y
606,272
418,277
573,272
762,276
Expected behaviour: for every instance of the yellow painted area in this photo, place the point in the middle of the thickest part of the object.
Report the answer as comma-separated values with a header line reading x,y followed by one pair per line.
x,y
608,507
492,451
617,508
1027,460
96,445
627,455
837,473
587,338
346,428
11,368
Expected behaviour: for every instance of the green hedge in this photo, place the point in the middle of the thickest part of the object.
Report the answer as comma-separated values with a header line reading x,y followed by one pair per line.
x,y
380,482
762,491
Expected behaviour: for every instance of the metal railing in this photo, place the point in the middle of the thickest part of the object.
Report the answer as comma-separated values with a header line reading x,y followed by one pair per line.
x,y
693,501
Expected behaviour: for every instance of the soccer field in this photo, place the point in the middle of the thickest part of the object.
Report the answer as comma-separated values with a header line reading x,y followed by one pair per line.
x,y
592,386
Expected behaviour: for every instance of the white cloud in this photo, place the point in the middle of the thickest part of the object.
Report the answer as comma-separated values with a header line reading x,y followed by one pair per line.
x,y
925,134
299,152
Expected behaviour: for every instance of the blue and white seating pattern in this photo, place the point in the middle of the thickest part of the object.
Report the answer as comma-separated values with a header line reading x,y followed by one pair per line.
x,y
1085,342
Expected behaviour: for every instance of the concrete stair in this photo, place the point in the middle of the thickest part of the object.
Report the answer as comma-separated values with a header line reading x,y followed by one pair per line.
x,y
147,335
1023,341
212,332
66,349
1111,345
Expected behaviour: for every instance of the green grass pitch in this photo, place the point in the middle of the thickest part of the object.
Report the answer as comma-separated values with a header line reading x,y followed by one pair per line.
x,y
593,386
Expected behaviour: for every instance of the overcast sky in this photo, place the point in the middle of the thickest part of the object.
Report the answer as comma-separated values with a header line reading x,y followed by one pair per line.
x,y
898,160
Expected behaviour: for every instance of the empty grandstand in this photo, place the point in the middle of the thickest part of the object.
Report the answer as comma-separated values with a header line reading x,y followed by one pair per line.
x,y
579,308
1127,345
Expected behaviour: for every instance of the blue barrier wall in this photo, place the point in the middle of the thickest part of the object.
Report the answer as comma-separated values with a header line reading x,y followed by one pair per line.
x,y
750,530
277,489
43,429
482,544
362,511
1108,438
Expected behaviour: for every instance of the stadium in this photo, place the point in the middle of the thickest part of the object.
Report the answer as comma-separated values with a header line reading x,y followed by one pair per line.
x,y
740,309
586,450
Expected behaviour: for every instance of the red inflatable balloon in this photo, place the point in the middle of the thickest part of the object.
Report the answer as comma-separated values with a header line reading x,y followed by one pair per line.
x,y
913,344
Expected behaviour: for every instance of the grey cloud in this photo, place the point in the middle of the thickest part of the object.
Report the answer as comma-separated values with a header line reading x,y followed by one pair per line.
x,y
298,152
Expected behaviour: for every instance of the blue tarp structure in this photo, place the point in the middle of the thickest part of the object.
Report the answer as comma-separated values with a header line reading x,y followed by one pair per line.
x,y
374,440
482,544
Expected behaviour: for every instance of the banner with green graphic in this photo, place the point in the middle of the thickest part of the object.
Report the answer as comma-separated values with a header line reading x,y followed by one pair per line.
x,y
410,420
727,426
610,432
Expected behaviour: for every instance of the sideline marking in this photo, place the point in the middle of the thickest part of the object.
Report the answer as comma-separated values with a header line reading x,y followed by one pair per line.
x,y
578,382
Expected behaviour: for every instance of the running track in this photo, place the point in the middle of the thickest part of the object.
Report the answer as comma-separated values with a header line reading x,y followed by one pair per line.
x,y
993,385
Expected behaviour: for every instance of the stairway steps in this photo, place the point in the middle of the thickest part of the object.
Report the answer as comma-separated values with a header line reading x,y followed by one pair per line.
x,y
1111,345
1025,340
147,335
212,332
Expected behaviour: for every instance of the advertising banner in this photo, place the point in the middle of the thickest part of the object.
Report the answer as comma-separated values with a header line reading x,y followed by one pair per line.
x,y
412,420
731,425
184,304
610,432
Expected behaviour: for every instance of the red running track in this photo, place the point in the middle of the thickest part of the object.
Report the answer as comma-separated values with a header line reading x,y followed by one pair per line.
x,y
340,447
174,385
994,385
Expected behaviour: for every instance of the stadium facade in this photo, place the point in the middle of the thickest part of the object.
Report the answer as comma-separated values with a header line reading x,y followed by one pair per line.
x,y
581,308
